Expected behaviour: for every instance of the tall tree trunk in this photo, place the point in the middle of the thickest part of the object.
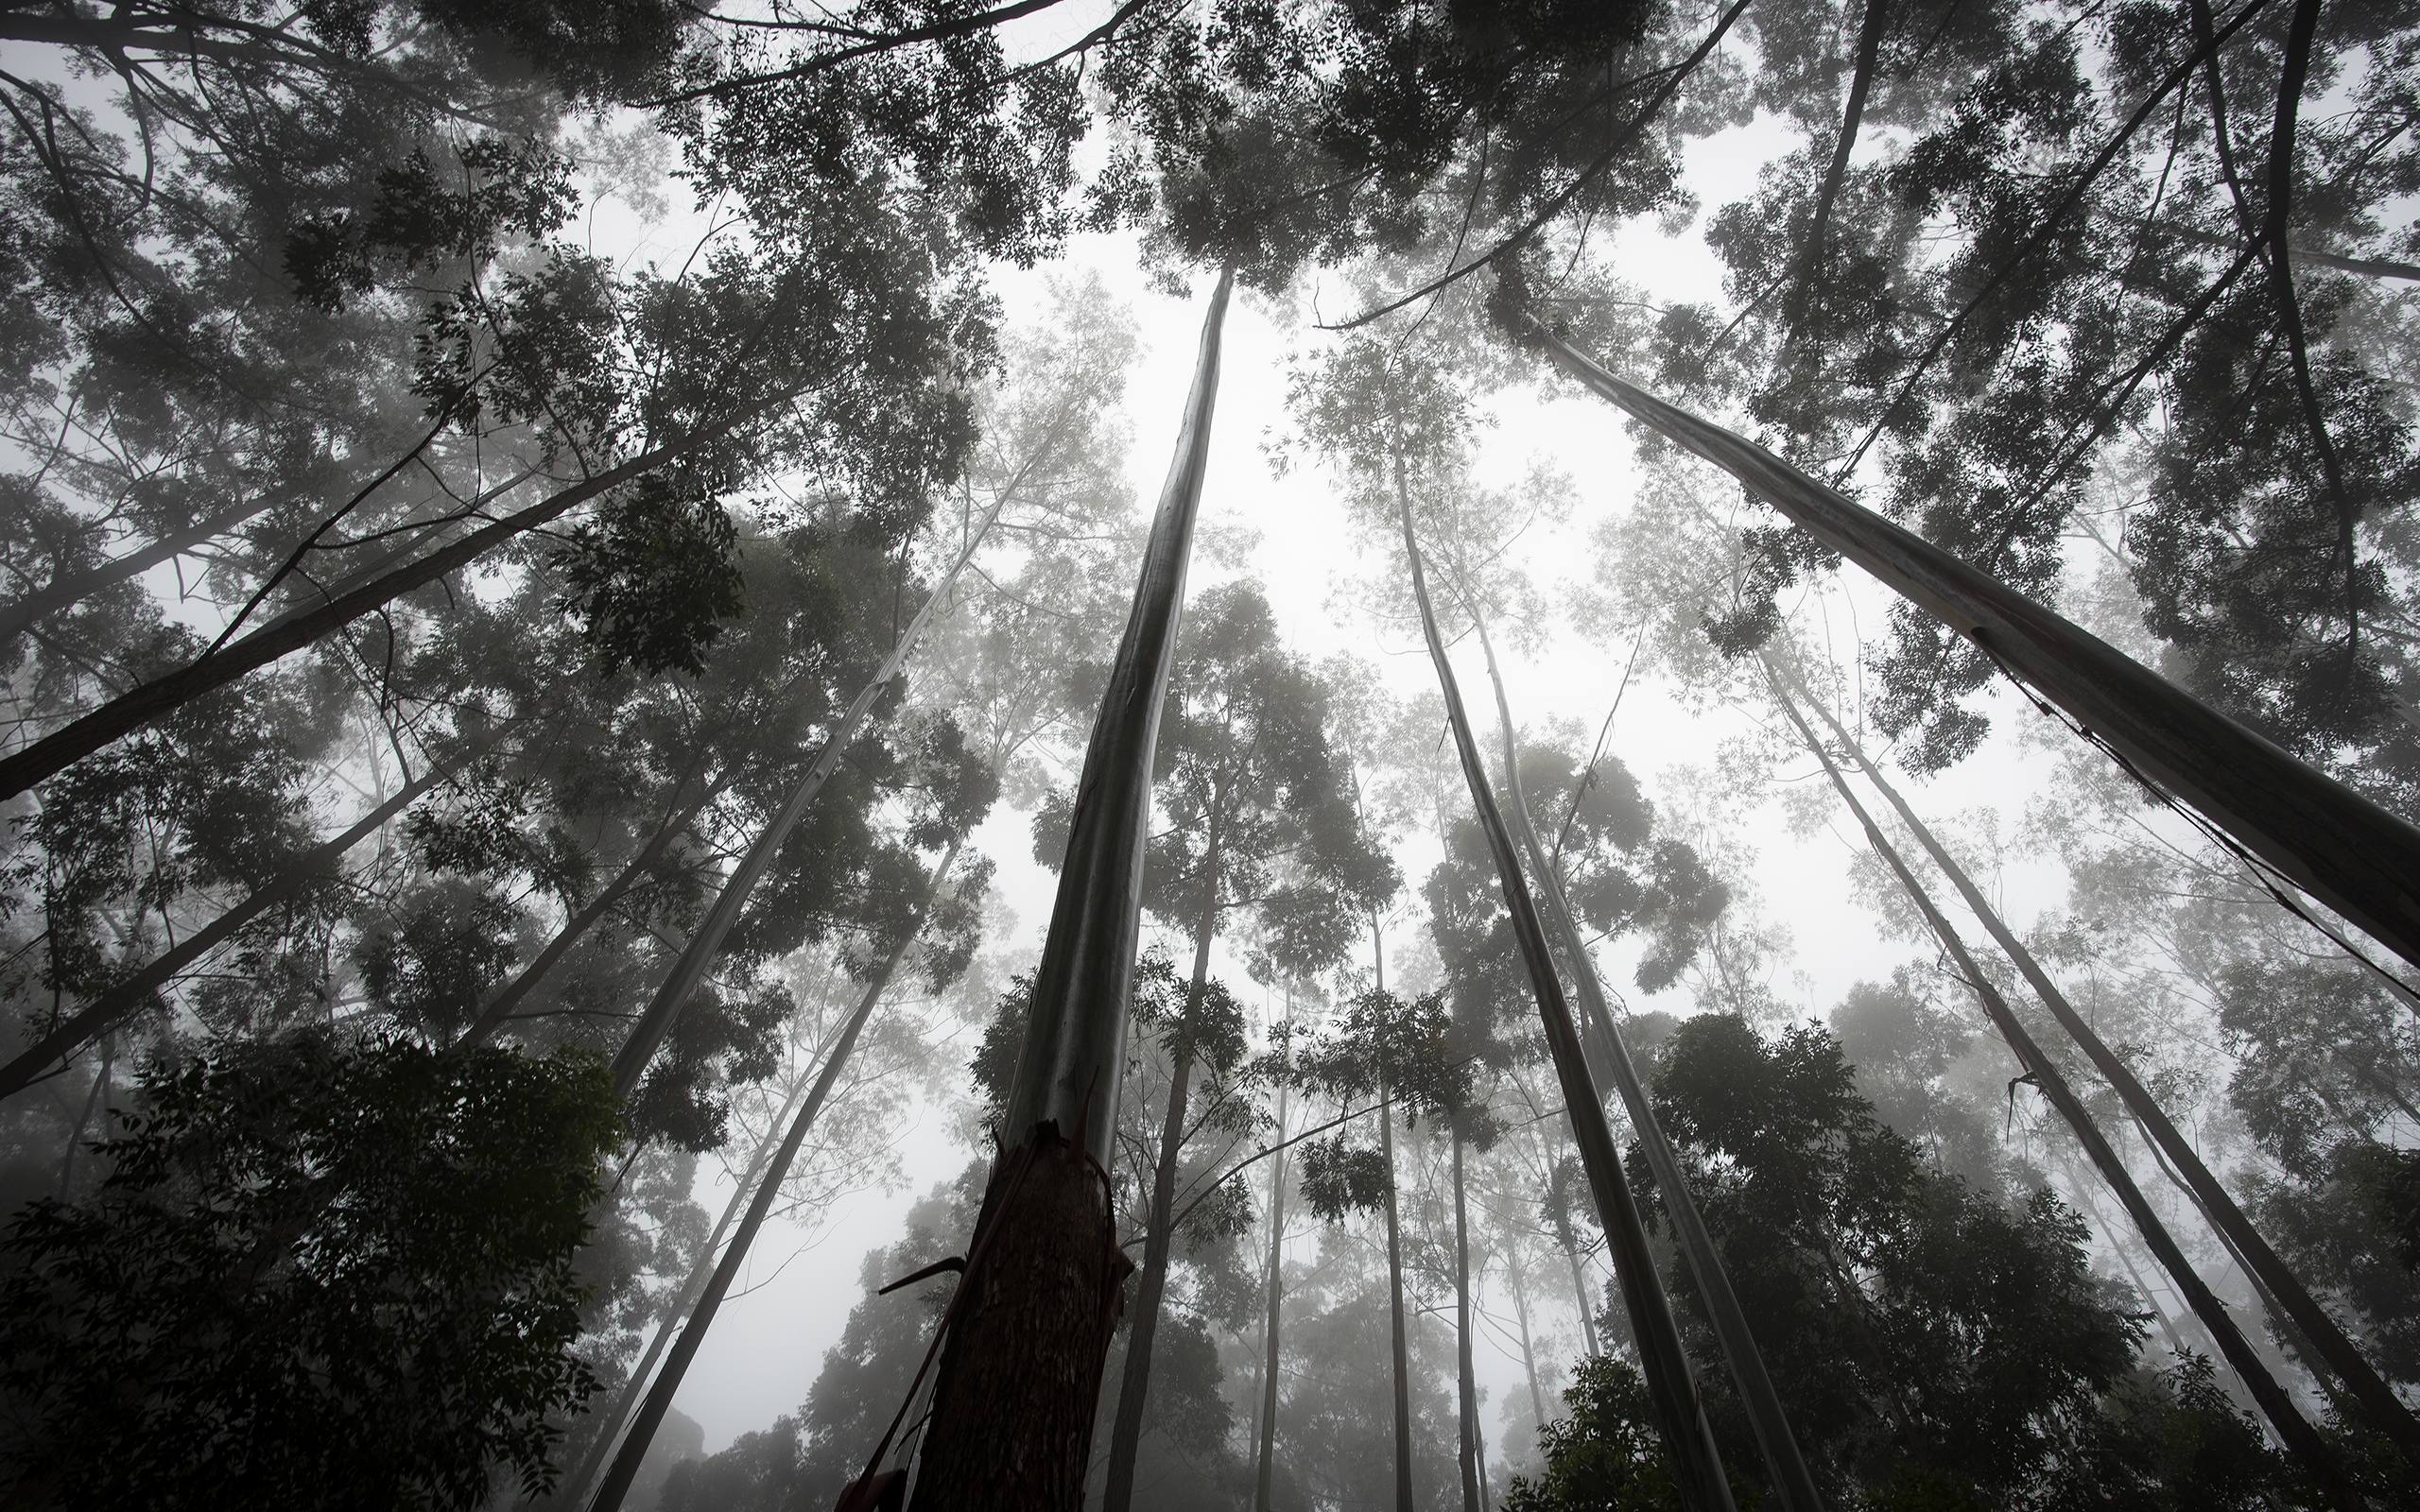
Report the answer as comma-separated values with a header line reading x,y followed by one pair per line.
x,y
1580,1293
705,945
580,1485
2270,1274
1528,1351
1011,1419
1810,266
1264,1467
1696,1463
497,1010
299,628
1467,1377
2346,851
666,1385
2275,1404
1400,1342
1126,1434
65,592
115,1005
1784,1468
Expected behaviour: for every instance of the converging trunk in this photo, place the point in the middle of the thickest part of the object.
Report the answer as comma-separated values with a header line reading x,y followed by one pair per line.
x,y
1400,1343
1011,1418
2317,1458
116,1004
2270,1274
1264,1467
666,1385
1466,1380
1126,1434
2346,851
1791,1482
1696,1463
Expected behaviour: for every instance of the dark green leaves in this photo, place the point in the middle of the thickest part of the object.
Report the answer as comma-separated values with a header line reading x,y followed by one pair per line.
x,y
319,1277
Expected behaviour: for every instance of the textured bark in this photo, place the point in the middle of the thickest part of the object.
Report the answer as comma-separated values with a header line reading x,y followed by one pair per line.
x,y
1012,1415
705,945
1688,1439
299,628
497,1010
2270,1276
1020,1369
2347,851
1528,1351
2300,1438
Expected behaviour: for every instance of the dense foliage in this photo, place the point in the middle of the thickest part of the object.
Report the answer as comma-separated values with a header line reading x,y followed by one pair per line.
x,y
549,551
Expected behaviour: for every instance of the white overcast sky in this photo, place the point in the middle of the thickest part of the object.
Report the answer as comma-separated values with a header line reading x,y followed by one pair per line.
x,y
767,1347
769,1342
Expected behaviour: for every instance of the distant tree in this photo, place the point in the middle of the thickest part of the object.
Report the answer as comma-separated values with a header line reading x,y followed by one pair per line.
x,y
1932,1340
1397,1052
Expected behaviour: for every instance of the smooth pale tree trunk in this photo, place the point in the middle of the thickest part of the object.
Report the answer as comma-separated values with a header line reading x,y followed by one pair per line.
x,y
666,1385
1264,1468
299,628
1400,1343
1126,1434
2295,1339
1399,1340
1580,1293
579,1485
1786,1469
116,1004
2344,849
705,945
2270,1276
1529,1349
1467,1375
2275,1404
1012,1408
1810,267
1689,1440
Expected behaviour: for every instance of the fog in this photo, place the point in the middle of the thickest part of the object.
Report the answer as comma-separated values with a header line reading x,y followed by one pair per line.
x,y
1670,745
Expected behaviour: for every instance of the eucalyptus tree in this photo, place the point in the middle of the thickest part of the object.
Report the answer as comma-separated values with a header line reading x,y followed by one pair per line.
x,y
1387,417
1961,1348
2279,1286
707,1294
2319,1459
1397,1052
1020,1370
1262,834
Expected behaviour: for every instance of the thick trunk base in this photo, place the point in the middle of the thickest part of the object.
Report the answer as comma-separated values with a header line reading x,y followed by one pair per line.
x,y
1012,1413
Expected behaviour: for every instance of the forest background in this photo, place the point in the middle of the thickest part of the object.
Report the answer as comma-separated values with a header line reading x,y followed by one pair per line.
x,y
1612,560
